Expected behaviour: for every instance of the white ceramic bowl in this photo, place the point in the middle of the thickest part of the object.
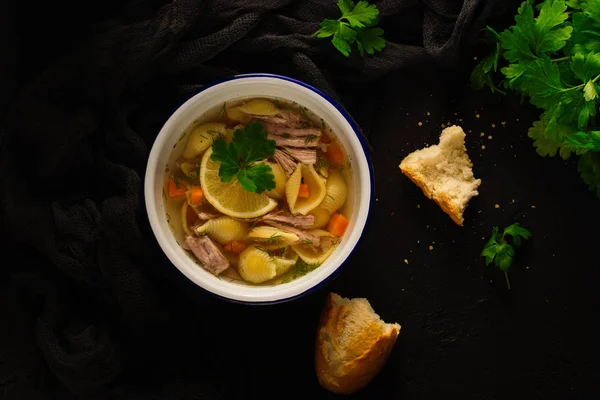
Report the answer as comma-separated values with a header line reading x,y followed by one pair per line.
x,y
260,85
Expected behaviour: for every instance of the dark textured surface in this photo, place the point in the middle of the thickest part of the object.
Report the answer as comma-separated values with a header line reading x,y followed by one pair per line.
x,y
90,307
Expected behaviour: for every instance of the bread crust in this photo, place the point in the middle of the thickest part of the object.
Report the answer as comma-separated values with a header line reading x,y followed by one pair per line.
x,y
352,375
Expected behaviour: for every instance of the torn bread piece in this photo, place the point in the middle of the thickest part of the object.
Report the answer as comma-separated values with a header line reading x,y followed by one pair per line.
x,y
353,344
444,173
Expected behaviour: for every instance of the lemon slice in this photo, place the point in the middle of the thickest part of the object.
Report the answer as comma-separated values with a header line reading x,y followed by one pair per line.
x,y
231,198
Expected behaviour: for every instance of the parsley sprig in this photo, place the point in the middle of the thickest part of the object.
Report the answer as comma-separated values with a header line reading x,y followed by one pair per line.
x,y
554,59
239,158
356,25
498,250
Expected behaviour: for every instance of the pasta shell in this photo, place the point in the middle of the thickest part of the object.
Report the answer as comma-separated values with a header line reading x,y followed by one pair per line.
x,y
321,217
188,168
259,107
202,138
256,265
224,229
280,181
184,221
337,191
235,114
272,236
314,255
283,264
316,187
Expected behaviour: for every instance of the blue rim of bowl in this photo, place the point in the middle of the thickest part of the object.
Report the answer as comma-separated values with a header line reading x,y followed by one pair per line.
x,y
365,148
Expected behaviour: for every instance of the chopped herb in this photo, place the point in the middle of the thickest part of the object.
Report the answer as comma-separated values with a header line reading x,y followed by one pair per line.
x,y
215,134
331,197
274,238
182,136
310,138
306,241
177,182
223,110
323,124
164,194
349,164
340,168
286,135
321,163
276,102
168,217
300,269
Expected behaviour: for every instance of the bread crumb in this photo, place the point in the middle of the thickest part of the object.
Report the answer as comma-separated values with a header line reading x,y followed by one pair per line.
x,y
497,206
483,147
477,115
428,113
503,123
420,123
490,137
430,247
405,261
493,125
482,134
418,206
532,206
448,123
475,58
443,126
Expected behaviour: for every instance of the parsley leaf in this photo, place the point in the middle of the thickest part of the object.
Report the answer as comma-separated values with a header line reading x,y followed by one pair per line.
x,y
356,25
553,58
238,158
499,251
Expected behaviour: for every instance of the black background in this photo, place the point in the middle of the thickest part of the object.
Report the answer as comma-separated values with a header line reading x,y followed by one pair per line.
x,y
463,333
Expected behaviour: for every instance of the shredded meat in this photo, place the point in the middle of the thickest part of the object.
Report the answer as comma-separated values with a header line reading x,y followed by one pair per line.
x,y
303,235
206,216
293,132
284,117
300,221
285,162
294,141
207,252
305,156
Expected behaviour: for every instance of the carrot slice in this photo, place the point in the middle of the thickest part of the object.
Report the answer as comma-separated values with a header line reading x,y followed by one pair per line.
x,y
304,191
338,224
196,196
335,154
176,188
235,246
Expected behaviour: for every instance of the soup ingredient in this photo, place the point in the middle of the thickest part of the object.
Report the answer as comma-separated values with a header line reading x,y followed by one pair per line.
x,y
280,181
237,115
338,224
202,138
285,161
335,155
300,221
259,107
336,192
303,236
498,250
356,25
177,188
313,251
224,229
444,173
206,216
353,344
321,217
257,265
235,246
304,174
305,156
207,253
239,158
284,117
282,130
231,198
293,141
554,59
304,191
195,196
272,237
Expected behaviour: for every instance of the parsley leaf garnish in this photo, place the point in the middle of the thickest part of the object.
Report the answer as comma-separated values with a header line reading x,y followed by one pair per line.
x,y
239,158
499,251
553,58
356,25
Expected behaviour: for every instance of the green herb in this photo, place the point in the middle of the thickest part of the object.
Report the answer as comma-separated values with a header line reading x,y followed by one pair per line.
x,y
321,163
331,197
276,102
498,250
168,217
301,268
286,135
554,59
356,25
215,134
274,238
310,138
239,158
349,164
323,124
177,182
164,194
223,110
306,241
340,169
182,136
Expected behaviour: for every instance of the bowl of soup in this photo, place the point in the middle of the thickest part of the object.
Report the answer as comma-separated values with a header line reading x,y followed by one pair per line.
x,y
258,188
